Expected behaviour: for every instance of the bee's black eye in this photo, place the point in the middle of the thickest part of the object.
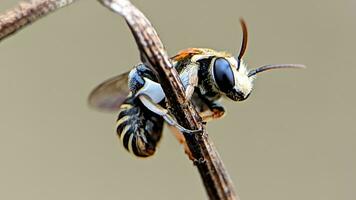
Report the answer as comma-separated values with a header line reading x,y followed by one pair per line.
x,y
223,74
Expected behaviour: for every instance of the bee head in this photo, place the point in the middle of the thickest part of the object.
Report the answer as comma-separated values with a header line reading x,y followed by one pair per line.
x,y
230,79
231,75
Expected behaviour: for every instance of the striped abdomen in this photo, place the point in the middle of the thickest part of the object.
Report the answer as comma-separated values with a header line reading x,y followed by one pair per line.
x,y
138,128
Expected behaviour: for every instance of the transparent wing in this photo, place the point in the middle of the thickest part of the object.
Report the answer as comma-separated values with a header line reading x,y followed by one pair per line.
x,y
109,95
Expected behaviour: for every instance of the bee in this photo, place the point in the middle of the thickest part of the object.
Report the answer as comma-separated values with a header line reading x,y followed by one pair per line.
x,y
207,76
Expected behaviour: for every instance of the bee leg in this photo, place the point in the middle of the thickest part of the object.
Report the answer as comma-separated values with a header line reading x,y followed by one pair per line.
x,y
189,78
193,82
216,111
189,92
159,110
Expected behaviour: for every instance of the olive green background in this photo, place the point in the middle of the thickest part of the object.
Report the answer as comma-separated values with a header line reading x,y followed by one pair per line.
x,y
294,138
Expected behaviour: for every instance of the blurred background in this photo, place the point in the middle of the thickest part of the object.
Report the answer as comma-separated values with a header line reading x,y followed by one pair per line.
x,y
294,138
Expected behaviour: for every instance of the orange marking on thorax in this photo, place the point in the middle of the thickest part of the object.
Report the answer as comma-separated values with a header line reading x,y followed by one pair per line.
x,y
187,53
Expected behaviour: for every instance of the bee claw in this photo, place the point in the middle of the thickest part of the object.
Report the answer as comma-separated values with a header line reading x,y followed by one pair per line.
x,y
192,131
188,131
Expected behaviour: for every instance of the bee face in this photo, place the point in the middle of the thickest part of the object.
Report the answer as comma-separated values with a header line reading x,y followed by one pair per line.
x,y
231,78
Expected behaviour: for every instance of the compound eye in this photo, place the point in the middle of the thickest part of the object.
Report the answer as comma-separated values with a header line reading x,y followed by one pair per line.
x,y
223,74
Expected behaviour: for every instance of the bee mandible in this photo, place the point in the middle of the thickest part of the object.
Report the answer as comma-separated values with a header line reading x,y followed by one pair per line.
x,y
207,76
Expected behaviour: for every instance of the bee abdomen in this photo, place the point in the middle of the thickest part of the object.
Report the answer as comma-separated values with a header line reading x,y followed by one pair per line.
x,y
138,128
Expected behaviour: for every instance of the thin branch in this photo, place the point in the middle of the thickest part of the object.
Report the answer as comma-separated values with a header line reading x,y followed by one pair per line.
x,y
27,12
211,168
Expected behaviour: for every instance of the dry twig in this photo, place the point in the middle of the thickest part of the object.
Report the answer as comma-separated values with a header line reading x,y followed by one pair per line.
x,y
216,179
211,168
27,12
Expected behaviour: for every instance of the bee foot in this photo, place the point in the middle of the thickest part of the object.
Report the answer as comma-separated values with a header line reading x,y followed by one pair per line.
x,y
188,131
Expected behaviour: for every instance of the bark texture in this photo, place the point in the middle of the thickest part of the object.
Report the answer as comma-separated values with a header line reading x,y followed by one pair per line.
x,y
27,12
